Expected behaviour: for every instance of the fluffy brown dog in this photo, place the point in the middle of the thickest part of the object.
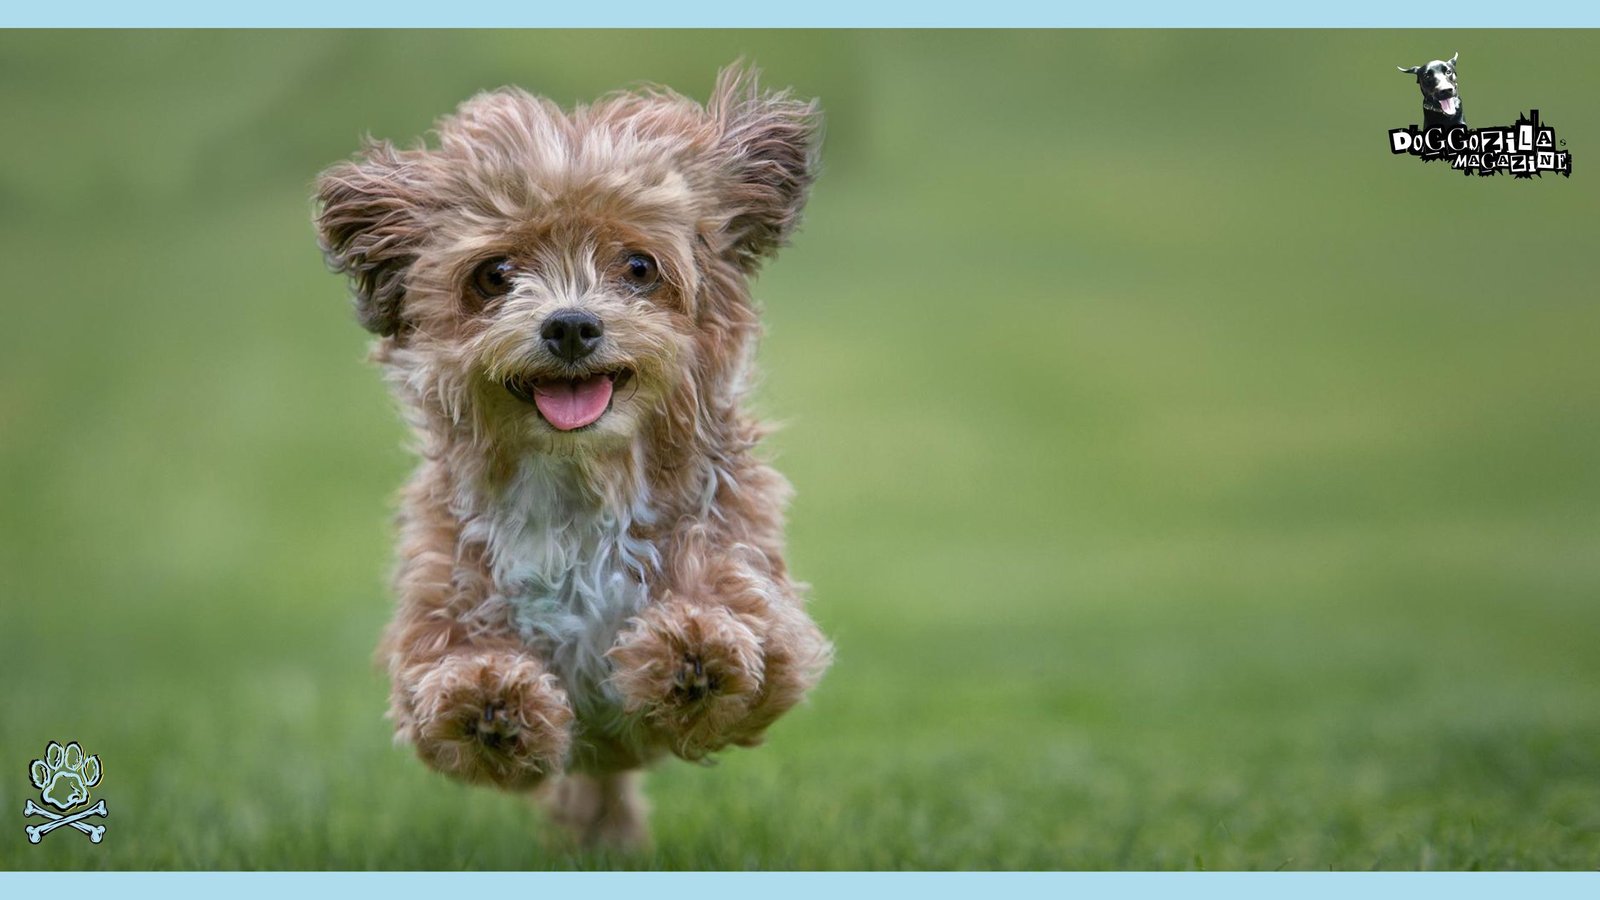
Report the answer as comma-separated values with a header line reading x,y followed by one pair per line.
x,y
591,558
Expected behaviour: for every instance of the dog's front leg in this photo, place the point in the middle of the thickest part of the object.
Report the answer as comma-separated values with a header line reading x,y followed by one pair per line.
x,y
477,703
720,656
484,715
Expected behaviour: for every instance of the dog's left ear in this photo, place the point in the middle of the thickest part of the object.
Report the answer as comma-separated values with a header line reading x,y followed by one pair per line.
x,y
1411,71
767,147
1454,58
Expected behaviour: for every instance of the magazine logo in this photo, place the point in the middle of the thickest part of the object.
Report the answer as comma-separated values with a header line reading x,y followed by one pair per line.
x,y
1526,148
64,777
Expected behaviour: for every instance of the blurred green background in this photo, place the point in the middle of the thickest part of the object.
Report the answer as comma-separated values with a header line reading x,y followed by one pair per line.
x,y
1195,485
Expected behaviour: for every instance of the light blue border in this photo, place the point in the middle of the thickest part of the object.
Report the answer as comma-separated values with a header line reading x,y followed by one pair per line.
x,y
799,886
807,886
812,14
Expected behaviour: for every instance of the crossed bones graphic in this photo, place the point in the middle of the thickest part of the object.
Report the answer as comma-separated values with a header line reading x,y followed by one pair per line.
x,y
95,832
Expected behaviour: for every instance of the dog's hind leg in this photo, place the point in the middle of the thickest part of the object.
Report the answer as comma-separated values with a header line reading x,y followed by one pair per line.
x,y
606,811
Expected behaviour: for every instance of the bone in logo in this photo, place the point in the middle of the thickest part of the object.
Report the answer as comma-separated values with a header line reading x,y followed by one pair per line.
x,y
63,778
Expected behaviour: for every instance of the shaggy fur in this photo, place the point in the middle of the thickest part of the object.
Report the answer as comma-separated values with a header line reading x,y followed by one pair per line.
x,y
577,602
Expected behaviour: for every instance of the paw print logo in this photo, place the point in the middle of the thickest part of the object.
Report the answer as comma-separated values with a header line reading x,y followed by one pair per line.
x,y
64,777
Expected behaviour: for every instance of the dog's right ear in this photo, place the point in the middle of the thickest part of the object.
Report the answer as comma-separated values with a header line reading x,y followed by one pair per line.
x,y
1411,71
368,225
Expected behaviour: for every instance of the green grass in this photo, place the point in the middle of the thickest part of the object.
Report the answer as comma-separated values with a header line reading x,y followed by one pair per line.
x,y
1195,486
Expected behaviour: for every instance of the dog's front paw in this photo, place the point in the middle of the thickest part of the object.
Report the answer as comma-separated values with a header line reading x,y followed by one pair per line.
x,y
498,718
691,673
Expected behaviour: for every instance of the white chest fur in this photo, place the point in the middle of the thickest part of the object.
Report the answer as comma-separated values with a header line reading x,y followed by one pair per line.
x,y
567,574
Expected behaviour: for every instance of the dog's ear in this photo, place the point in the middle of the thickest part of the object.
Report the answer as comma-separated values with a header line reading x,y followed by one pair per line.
x,y
1411,71
1454,58
768,144
369,228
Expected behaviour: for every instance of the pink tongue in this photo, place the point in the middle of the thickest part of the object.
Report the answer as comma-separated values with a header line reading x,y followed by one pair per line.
x,y
1449,106
573,404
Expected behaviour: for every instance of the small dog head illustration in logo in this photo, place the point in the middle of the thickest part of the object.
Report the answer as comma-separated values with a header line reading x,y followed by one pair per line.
x,y
1441,96
64,777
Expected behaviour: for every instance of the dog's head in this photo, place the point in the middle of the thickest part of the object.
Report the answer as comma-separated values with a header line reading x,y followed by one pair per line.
x,y
554,278
1437,81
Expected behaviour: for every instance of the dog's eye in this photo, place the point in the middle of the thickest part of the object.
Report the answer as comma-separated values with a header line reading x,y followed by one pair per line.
x,y
641,270
492,277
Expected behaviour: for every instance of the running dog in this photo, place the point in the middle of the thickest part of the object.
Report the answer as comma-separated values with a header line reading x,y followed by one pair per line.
x,y
591,571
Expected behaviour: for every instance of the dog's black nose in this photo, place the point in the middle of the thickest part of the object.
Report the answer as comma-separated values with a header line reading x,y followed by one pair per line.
x,y
571,334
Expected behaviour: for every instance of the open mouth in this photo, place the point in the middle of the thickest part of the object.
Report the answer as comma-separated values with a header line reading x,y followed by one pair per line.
x,y
569,404
1447,105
